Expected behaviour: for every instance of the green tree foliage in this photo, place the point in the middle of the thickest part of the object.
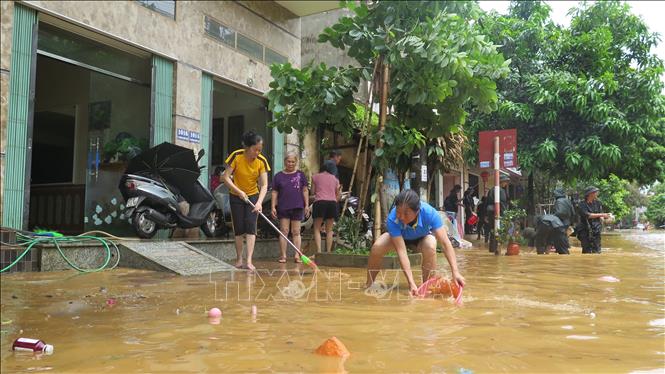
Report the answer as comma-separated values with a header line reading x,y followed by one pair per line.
x,y
613,194
656,208
303,99
440,63
586,100
635,197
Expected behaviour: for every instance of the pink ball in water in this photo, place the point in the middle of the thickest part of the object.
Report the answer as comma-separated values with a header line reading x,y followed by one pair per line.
x,y
214,313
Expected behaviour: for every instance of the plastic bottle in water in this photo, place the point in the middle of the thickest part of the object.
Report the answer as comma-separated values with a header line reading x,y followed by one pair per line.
x,y
32,345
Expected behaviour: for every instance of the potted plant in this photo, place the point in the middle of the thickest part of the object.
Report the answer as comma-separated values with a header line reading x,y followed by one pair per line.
x,y
123,148
509,231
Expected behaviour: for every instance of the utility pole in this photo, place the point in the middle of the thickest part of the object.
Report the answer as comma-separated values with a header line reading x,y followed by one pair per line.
x,y
419,173
497,195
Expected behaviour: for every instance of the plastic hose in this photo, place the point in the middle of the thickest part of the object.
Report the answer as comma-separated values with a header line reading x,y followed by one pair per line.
x,y
31,239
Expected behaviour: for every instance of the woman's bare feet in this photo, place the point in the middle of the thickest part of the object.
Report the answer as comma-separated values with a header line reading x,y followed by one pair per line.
x,y
250,267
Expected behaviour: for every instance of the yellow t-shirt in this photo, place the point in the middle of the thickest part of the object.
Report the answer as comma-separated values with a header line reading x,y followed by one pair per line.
x,y
246,174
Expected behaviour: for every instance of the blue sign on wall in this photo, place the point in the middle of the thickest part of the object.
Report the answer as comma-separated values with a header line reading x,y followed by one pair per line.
x,y
188,136
194,137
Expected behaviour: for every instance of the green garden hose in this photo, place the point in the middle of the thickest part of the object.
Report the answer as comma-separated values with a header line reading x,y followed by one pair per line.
x,y
29,241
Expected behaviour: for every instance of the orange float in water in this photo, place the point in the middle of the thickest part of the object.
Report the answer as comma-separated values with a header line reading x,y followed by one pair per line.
x,y
333,347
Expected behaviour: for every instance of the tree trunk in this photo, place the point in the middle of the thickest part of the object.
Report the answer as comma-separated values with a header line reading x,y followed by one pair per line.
x,y
430,181
378,217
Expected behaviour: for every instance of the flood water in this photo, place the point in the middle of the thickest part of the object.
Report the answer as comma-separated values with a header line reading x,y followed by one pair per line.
x,y
524,313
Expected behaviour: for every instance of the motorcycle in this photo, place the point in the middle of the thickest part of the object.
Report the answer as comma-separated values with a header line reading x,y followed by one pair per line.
x,y
352,209
155,184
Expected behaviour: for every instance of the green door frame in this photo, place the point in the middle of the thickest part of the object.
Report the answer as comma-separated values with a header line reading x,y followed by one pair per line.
x,y
277,149
206,126
16,194
161,111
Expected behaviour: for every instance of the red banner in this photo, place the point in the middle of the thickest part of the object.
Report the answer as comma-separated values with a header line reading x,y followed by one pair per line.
x,y
507,148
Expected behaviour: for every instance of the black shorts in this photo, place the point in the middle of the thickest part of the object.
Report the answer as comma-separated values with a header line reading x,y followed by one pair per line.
x,y
295,214
242,217
412,244
325,209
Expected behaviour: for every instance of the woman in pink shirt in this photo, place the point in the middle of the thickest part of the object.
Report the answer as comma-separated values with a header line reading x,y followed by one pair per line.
x,y
326,195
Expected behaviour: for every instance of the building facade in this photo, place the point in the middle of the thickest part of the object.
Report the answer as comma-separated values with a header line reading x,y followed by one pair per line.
x,y
88,84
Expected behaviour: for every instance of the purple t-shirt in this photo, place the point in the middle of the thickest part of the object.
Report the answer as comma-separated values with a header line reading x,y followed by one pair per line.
x,y
289,188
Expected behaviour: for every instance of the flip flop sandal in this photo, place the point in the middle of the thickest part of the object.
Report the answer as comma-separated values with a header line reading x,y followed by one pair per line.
x,y
282,260
297,261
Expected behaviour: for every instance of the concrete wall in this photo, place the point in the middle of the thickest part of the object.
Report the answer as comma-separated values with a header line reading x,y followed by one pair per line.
x,y
183,39
315,53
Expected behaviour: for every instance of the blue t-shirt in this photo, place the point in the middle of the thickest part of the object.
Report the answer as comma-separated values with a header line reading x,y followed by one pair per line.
x,y
428,220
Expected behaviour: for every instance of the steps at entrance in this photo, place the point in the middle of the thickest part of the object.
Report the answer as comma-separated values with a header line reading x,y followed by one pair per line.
x,y
170,256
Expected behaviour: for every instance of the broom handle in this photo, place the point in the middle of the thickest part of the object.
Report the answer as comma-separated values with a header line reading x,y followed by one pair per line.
x,y
276,229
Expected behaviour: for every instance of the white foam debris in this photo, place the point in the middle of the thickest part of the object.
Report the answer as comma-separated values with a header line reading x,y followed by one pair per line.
x,y
581,337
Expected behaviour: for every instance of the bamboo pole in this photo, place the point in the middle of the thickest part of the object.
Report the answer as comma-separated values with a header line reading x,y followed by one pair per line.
x,y
383,113
367,122
364,186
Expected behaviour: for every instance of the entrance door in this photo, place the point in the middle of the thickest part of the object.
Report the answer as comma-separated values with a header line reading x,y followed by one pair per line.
x,y
109,91
234,112
56,202
118,117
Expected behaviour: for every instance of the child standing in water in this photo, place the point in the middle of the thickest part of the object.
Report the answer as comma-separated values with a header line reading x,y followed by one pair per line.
x,y
290,202
249,170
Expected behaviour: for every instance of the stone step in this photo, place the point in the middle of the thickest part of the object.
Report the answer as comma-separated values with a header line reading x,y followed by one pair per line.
x,y
170,256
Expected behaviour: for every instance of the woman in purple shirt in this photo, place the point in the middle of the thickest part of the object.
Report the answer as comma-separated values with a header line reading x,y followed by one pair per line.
x,y
290,202
326,194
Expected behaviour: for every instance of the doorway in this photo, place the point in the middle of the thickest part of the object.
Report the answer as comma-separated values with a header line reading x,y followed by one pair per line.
x,y
91,115
234,112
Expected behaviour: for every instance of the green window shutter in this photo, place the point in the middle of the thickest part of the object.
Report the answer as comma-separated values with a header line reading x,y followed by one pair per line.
x,y
19,118
162,99
206,124
278,151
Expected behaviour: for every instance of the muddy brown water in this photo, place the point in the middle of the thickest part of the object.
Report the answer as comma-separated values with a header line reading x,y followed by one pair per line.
x,y
526,313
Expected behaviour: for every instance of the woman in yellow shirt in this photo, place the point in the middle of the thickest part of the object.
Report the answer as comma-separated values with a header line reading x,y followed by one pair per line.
x,y
249,170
